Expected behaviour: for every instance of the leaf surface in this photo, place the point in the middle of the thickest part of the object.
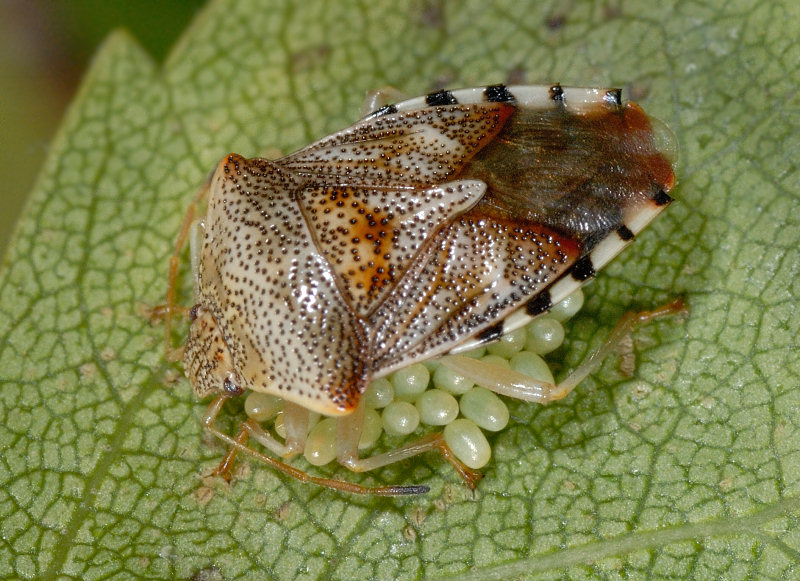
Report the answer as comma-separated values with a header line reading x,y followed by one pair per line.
x,y
688,469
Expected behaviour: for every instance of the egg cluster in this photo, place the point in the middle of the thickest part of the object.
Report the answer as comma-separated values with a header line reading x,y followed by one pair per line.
x,y
431,394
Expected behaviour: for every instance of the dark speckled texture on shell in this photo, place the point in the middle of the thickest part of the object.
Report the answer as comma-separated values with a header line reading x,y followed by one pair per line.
x,y
398,238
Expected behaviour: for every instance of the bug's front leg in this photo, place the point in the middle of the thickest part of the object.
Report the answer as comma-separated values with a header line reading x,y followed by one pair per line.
x,y
514,384
296,422
170,308
238,444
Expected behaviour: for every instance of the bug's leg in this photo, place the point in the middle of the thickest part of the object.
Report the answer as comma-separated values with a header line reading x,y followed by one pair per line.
x,y
263,437
514,384
167,310
238,444
266,439
225,466
295,420
379,98
349,432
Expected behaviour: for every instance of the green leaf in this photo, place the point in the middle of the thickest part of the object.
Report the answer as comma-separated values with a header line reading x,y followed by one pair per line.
x,y
689,469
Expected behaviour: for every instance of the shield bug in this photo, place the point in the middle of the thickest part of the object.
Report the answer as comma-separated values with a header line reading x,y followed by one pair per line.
x,y
426,229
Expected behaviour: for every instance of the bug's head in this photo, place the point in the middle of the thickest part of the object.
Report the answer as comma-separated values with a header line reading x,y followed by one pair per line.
x,y
207,360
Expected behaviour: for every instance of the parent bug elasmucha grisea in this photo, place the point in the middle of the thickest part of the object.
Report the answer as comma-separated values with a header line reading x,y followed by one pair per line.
x,y
425,229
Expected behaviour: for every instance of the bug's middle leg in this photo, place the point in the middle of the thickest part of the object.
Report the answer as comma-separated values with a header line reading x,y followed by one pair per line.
x,y
349,432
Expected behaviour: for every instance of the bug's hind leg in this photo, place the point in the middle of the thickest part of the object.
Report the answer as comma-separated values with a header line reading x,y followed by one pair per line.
x,y
514,384
238,444
349,432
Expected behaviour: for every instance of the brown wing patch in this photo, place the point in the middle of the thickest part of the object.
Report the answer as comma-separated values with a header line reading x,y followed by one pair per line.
x,y
578,174
371,236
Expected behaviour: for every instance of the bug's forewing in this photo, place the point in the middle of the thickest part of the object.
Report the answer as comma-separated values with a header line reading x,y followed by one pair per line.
x,y
559,181
408,150
298,252
372,236
476,272
402,236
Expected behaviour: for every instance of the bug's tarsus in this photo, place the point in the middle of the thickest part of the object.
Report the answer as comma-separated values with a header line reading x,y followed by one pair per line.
x,y
676,307
405,490
225,467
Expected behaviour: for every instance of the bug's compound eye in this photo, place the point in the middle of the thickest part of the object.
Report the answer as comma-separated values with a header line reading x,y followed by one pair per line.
x,y
194,312
231,388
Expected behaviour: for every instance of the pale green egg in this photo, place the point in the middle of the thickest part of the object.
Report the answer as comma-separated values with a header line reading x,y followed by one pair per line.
x,y
280,428
379,394
510,343
400,418
496,360
485,409
475,353
448,380
320,447
568,307
544,335
532,365
410,382
262,406
371,431
436,407
467,442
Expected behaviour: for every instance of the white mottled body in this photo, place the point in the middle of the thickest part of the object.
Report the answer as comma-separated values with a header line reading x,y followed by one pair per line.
x,y
426,228
408,234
